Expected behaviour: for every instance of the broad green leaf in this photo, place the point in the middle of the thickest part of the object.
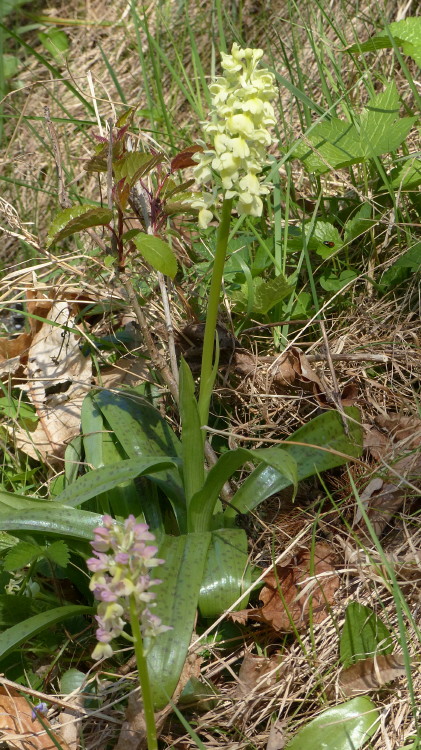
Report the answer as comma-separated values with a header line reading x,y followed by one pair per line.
x,y
102,449
73,459
142,431
135,165
338,143
11,65
334,143
14,636
157,253
359,223
16,409
58,553
408,175
14,608
363,635
76,219
51,518
407,33
203,503
332,283
381,130
192,436
71,680
96,482
56,42
409,262
266,293
21,555
344,727
227,573
325,431
176,605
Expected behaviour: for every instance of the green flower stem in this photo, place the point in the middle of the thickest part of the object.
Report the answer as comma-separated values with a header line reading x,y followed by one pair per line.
x,y
142,668
207,377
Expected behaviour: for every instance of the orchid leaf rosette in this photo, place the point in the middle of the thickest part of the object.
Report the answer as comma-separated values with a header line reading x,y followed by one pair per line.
x,y
237,137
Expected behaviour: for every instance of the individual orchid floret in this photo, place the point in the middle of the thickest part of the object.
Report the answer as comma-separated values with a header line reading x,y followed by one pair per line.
x,y
237,136
123,559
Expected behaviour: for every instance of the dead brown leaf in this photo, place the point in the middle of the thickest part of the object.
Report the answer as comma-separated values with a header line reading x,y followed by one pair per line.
x,y
277,736
257,670
58,377
305,584
18,729
370,674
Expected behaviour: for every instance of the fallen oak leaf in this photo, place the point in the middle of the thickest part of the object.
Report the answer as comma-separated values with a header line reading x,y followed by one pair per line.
x,y
259,671
371,673
305,585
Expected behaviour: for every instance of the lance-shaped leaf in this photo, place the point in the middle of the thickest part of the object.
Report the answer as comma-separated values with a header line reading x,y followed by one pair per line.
x,y
203,502
363,634
76,219
14,636
176,605
96,482
344,727
141,431
193,437
324,445
157,253
227,573
51,518
103,449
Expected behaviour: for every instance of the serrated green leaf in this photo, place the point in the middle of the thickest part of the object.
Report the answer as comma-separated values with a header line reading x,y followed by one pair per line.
x,y
325,431
381,130
407,33
176,605
344,727
76,219
58,553
227,573
21,555
332,283
363,635
332,144
268,292
157,253
14,636
135,165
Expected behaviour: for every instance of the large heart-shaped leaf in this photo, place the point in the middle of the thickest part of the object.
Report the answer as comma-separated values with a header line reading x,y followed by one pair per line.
x,y
323,445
